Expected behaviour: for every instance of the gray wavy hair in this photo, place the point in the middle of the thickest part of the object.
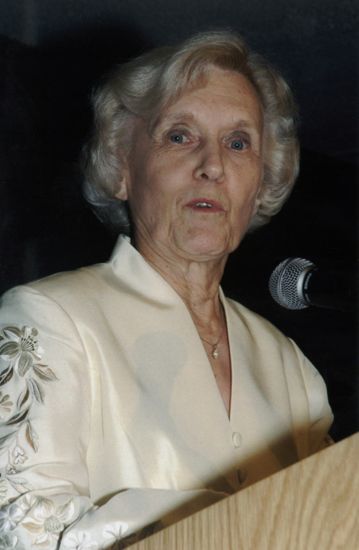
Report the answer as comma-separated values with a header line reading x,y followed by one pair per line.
x,y
147,84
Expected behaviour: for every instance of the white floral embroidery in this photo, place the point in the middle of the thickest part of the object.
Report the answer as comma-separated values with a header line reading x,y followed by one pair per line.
x,y
5,404
11,479
10,517
114,532
19,455
45,521
22,380
79,541
21,347
10,542
20,354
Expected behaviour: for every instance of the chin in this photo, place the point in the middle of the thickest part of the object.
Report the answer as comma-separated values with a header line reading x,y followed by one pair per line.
x,y
205,247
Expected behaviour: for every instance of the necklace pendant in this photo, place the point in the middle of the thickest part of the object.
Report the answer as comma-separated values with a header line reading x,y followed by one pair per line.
x,y
215,352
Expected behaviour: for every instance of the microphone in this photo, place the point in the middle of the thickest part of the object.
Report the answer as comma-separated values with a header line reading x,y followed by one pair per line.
x,y
297,283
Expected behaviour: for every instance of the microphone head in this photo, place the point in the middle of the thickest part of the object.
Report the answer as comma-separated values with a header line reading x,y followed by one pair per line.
x,y
286,283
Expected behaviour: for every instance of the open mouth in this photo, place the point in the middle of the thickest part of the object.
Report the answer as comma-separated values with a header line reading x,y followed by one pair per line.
x,y
205,205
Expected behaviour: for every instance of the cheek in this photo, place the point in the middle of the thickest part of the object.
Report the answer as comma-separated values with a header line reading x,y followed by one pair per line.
x,y
245,197
249,185
150,201
255,179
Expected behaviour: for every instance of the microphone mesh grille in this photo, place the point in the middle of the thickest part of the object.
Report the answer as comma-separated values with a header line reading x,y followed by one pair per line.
x,y
283,283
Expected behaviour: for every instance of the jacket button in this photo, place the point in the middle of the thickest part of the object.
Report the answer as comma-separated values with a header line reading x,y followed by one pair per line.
x,y
236,439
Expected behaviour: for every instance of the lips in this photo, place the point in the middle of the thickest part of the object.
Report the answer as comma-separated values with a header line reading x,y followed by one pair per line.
x,y
203,204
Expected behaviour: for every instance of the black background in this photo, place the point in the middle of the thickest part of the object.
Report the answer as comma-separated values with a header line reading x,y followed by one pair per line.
x,y
51,54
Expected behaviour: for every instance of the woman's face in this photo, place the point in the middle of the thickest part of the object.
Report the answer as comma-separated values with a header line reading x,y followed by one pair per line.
x,y
192,184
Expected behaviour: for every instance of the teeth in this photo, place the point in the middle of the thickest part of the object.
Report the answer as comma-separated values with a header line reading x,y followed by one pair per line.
x,y
203,205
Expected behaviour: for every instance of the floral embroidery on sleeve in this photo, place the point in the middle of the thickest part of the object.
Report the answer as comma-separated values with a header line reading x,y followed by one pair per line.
x,y
20,368
28,519
43,520
46,520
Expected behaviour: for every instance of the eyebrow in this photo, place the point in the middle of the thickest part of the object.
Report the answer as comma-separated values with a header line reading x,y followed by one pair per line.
x,y
186,116
171,119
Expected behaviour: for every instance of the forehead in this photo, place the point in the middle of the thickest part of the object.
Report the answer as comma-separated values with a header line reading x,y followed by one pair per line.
x,y
220,93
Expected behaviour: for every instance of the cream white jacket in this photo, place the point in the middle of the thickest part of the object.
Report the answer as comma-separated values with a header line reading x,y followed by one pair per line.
x,y
110,415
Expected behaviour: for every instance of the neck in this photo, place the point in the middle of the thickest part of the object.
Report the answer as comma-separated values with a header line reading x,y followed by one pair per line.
x,y
197,283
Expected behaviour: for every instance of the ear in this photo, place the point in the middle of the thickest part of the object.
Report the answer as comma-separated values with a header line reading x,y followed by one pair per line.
x,y
257,203
122,184
258,200
121,189
260,192
255,208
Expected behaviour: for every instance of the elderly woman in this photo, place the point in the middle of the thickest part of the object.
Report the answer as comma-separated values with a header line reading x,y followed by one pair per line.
x,y
134,391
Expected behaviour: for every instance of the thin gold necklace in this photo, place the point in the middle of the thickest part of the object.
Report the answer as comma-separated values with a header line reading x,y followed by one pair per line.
x,y
214,351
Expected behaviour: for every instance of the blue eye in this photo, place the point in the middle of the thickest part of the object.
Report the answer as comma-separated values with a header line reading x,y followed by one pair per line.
x,y
178,137
237,144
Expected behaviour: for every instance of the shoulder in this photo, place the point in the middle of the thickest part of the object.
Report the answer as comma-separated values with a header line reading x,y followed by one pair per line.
x,y
61,290
50,307
276,352
83,280
257,327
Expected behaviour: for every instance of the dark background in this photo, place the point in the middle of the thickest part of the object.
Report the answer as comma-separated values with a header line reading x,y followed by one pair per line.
x,y
51,54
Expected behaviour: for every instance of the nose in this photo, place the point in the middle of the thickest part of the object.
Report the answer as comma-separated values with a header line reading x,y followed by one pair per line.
x,y
210,163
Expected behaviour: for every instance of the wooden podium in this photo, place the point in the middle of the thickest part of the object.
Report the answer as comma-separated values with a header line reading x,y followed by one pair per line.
x,y
312,505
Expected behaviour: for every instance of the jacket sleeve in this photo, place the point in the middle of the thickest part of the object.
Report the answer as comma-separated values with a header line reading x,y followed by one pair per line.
x,y
45,423
320,413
